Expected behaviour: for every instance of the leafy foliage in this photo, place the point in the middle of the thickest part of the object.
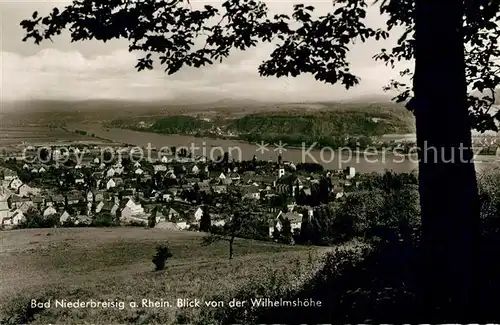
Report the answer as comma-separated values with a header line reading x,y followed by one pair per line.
x,y
104,220
34,219
163,253
205,221
176,35
481,29
242,222
489,183
179,125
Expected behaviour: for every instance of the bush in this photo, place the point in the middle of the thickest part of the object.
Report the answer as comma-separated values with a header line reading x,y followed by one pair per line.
x,y
34,219
104,220
317,281
162,254
488,184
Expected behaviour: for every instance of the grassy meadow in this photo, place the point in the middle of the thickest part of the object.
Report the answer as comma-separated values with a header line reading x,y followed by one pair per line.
x,y
115,264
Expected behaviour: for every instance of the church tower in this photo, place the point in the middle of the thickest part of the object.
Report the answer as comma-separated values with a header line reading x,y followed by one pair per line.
x,y
281,171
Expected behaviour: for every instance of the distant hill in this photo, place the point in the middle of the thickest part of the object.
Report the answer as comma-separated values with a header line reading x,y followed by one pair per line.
x,y
323,118
334,125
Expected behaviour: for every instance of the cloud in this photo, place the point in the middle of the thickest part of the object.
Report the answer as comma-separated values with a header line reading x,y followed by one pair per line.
x,y
53,73
67,71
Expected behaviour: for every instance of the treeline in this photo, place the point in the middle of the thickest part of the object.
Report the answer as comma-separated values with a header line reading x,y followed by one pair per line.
x,y
368,215
380,276
327,124
334,129
298,140
34,219
179,124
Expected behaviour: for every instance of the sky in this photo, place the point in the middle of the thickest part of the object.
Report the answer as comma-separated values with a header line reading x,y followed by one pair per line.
x,y
94,70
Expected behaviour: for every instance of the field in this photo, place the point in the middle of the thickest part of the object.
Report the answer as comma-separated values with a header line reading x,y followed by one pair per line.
x,y
115,264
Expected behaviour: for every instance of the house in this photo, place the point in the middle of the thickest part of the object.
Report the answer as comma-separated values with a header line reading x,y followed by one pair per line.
x,y
124,213
220,189
73,198
335,180
128,193
79,179
351,172
174,191
38,201
226,181
4,205
172,214
135,207
159,168
159,217
15,201
15,218
337,191
118,181
83,220
251,192
56,199
306,192
110,172
195,170
283,189
218,223
15,184
49,211
204,187
171,174
110,184
192,180
65,217
26,206
198,213
107,207
25,190
183,225
295,219
119,169
298,183
94,196
98,207
235,176
9,174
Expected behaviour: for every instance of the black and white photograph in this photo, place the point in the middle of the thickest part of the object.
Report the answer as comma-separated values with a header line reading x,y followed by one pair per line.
x,y
249,162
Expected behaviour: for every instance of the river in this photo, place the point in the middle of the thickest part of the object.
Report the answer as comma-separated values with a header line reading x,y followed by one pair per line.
x,y
212,148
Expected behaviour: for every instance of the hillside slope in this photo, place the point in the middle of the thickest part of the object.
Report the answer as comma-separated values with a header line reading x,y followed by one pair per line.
x,y
115,264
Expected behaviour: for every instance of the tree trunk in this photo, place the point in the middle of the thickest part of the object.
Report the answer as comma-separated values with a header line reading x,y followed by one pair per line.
x,y
448,186
231,241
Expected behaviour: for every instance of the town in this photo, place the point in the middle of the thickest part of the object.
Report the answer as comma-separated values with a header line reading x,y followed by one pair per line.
x,y
173,192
